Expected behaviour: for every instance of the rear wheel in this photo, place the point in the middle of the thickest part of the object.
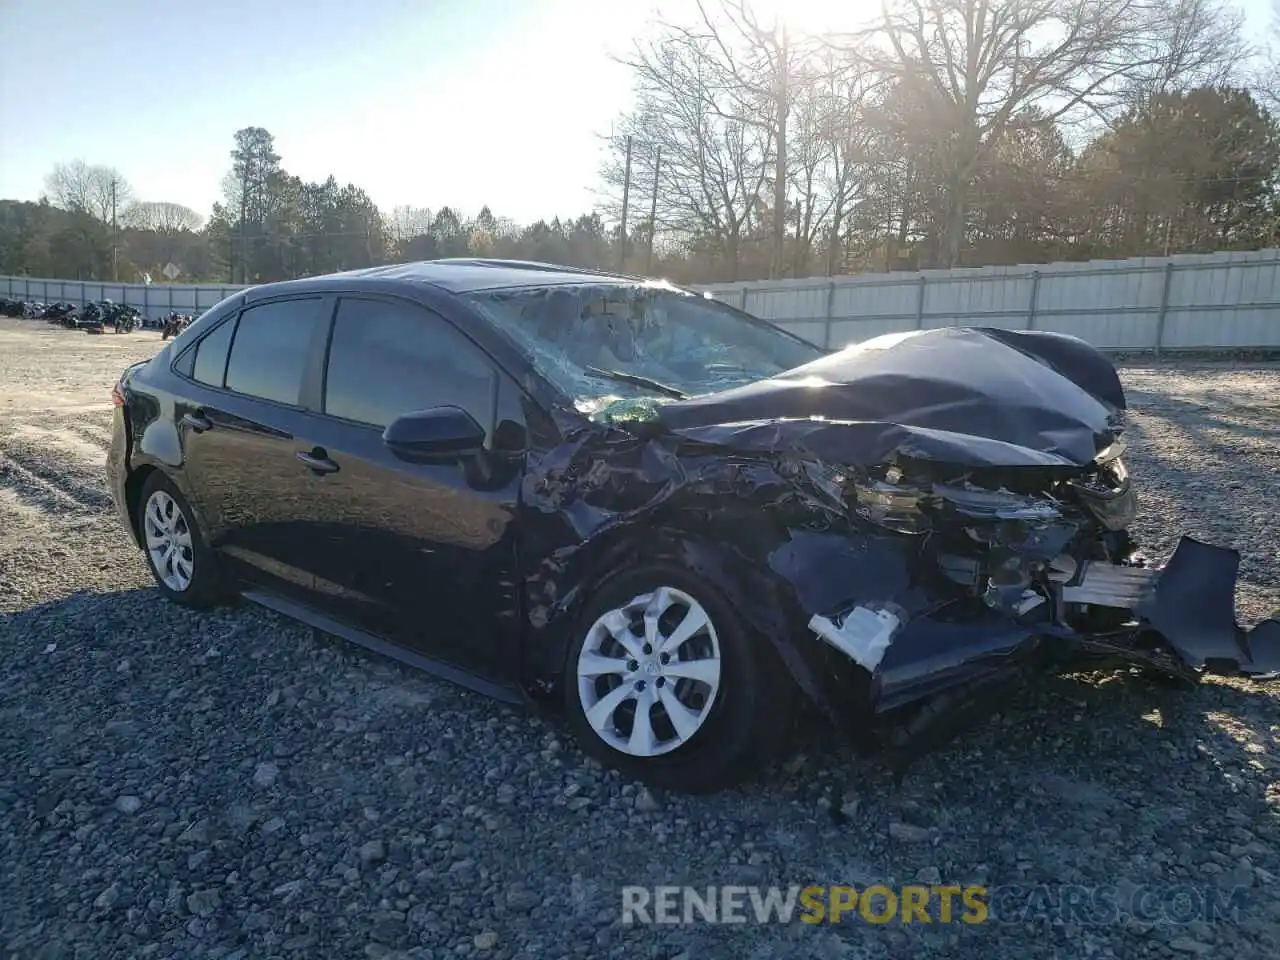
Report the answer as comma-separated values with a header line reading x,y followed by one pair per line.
x,y
175,548
664,683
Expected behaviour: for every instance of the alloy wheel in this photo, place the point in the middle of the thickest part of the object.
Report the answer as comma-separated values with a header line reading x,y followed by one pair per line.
x,y
168,538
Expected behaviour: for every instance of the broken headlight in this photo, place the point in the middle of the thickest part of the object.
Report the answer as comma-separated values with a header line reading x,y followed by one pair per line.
x,y
1108,494
983,504
891,506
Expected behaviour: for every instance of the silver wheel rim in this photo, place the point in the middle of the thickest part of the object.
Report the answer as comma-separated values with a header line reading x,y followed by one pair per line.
x,y
649,673
168,536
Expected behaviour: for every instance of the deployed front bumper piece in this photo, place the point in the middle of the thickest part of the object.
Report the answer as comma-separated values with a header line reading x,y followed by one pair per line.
x,y
1192,605
932,673
1188,605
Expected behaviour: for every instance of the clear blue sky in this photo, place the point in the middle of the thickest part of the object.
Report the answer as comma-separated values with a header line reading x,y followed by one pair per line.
x,y
421,102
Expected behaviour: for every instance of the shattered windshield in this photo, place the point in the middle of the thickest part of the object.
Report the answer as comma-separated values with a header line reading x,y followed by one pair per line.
x,y
603,342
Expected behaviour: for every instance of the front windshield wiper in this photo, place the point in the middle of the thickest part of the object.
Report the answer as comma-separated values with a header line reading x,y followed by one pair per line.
x,y
636,381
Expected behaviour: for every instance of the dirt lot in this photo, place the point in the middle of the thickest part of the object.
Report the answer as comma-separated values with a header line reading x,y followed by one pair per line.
x,y
223,785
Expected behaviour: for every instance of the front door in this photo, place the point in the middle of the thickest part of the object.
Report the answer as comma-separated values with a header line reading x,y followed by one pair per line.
x,y
421,553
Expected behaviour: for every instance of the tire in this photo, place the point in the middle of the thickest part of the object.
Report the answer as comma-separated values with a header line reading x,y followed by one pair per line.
x,y
735,718
200,587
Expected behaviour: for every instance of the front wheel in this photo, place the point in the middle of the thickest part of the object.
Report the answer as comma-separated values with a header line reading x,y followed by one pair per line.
x,y
664,682
175,548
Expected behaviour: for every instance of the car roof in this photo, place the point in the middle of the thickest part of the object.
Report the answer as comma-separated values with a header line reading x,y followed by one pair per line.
x,y
453,275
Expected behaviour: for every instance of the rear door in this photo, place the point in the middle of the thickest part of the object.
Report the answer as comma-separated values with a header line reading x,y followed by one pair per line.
x,y
422,553
240,429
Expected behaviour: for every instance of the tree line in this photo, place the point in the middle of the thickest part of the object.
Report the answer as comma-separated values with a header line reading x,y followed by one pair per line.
x,y
940,133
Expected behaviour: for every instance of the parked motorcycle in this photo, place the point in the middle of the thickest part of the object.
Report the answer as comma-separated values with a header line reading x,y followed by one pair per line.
x,y
54,312
92,313
123,318
174,325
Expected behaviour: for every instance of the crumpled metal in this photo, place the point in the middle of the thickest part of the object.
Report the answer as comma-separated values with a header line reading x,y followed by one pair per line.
x,y
968,396
740,487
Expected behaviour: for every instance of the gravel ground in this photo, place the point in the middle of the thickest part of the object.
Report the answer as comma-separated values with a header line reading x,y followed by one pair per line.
x,y
225,785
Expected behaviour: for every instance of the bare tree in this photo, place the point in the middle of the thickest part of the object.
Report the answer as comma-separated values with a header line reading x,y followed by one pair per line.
x,y
762,68
1264,79
161,216
836,132
68,185
981,63
97,190
714,163
1200,45
406,221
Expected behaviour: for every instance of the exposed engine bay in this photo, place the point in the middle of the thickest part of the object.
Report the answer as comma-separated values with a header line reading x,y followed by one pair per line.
x,y
1063,547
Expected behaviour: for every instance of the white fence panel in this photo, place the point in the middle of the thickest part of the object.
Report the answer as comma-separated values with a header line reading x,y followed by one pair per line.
x,y
1220,300
155,301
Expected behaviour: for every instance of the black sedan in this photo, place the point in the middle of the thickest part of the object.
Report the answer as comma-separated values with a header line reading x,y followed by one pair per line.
x,y
677,519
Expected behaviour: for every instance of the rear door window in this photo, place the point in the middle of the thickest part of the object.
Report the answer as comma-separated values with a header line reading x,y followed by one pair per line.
x,y
270,349
211,355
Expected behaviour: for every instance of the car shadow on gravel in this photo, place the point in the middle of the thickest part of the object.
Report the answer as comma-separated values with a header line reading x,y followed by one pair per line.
x,y
1210,484
1105,722
1247,419
222,780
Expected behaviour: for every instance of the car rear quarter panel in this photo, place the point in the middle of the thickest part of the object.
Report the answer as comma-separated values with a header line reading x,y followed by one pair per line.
x,y
151,425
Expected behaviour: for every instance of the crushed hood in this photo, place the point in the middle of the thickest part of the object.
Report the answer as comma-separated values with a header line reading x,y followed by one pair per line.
x,y
978,397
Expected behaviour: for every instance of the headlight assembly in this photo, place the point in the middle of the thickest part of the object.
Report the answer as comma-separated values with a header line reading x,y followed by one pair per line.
x,y
891,506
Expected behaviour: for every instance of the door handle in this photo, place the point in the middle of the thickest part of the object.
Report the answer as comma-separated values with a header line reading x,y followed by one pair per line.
x,y
317,461
197,422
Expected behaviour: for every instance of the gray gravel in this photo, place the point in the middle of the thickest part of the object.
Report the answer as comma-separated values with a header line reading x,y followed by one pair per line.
x,y
226,785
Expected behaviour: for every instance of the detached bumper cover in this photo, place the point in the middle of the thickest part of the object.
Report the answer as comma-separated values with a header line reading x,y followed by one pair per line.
x,y
914,646
1193,608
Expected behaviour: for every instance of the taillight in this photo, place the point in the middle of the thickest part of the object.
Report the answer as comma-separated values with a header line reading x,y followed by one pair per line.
x,y
117,395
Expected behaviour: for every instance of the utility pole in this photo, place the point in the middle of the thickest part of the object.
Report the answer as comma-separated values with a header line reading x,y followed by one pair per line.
x,y
653,211
888,234
783,94
888,222
626,200
244,226
115,236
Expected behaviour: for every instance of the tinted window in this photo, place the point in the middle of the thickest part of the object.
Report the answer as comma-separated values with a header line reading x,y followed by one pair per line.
x,y
185,362
387,359
211,355
269,352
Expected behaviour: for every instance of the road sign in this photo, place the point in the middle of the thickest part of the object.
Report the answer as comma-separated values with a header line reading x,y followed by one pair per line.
x,y
171,270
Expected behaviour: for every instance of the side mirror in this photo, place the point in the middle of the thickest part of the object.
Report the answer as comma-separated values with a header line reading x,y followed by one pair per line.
x,y
437,432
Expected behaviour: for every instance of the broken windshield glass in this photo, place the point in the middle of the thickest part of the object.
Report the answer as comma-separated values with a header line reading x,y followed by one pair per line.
x,y
647,333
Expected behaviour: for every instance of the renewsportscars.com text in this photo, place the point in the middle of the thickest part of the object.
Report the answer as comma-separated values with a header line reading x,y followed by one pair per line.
x,y
930,903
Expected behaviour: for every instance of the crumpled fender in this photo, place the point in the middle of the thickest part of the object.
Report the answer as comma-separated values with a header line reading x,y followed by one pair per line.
x,y
607,497
767,609
1193,608
942,642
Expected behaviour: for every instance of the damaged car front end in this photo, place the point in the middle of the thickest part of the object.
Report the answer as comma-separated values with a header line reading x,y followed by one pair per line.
x,y
905,524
